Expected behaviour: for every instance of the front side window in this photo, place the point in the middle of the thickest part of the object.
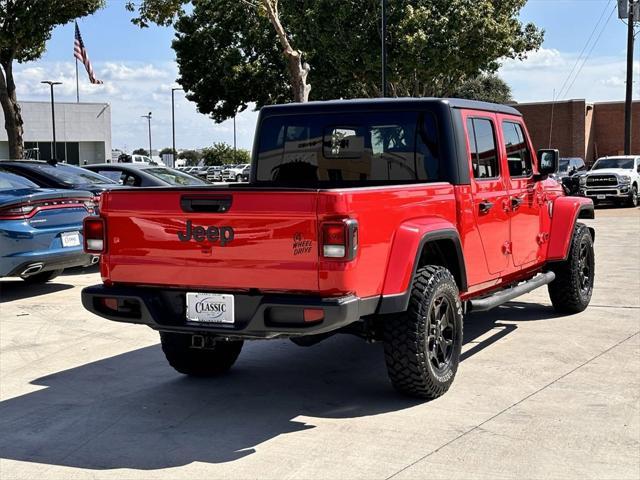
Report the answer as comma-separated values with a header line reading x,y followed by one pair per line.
x,y
482,143
350,149
518,154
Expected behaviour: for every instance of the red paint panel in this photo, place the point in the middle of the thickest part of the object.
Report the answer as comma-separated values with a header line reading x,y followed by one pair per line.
x,y
380,211
144,247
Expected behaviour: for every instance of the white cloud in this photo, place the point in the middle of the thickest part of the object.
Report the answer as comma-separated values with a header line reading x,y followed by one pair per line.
x,y
133,89
535,79
614,81
121,71
545,57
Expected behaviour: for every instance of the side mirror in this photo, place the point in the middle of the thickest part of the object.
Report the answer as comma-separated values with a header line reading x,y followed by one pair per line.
x,y
548,161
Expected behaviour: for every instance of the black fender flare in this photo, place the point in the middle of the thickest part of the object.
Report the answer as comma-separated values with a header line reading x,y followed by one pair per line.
x,y
399,302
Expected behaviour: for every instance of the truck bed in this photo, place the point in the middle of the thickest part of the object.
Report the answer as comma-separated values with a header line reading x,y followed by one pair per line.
x,y
158,236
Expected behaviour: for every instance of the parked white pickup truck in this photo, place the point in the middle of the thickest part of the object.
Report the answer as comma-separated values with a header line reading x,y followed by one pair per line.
x,y
613,178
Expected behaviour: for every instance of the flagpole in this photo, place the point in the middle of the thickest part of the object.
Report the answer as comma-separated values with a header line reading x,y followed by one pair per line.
x,y
77,84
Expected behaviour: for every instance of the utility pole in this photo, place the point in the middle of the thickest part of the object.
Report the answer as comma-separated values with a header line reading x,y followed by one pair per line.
x,y
148,117
384,47
54,153
628,105
174,154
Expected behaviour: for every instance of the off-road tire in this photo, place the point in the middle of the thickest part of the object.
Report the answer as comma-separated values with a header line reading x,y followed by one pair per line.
x,y
199,362
408,340
572,288
43,277
633,199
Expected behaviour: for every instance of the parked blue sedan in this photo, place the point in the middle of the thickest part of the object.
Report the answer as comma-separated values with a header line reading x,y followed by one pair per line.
x,y
40,229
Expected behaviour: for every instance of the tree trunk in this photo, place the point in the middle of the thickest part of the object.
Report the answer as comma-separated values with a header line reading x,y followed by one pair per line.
x,y
298,71
12,116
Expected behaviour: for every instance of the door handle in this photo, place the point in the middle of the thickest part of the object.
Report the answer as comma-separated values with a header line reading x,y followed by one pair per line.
x,y
485,206
516,202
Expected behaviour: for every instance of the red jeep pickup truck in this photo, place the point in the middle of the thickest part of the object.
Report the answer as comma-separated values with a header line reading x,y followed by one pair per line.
x,y
385,218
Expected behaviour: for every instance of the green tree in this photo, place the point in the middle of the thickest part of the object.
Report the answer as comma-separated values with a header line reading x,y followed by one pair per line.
x,y
192,157
140,151
166,151
229,55
485,87
163,12
241,156
25,27
223,154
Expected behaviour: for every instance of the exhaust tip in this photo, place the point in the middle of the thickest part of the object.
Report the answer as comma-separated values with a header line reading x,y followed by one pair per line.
x,y
32,269
95,259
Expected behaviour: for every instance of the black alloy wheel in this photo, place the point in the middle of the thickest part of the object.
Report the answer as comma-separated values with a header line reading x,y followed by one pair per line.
x,y
442,334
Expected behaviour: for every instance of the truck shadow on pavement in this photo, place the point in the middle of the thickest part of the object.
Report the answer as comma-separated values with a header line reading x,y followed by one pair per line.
x,y
18,289
133,411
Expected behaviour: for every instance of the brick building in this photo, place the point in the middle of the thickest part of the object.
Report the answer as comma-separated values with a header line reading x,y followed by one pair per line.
x,y
581,129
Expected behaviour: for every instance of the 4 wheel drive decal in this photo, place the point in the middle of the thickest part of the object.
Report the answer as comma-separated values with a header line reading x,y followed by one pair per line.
x,y
300,245
223,235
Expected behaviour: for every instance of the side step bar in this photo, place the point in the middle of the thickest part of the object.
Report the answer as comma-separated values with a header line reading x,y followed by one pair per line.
x,y
503,296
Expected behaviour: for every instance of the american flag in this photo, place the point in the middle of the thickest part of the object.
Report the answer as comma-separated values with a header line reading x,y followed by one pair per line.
x,y
81,54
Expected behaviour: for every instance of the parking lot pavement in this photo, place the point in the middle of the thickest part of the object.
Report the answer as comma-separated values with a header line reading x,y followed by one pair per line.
x,y
537,395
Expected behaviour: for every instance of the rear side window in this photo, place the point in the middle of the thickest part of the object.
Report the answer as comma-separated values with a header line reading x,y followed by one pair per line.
x,y
482,143
518,154
113,175
349,149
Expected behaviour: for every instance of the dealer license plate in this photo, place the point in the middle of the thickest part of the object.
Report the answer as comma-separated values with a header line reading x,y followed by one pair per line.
x,y
70,239
601,197
210,308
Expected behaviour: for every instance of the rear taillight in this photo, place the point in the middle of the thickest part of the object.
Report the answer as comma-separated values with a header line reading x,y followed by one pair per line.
x,y
339,240
16,211
94,235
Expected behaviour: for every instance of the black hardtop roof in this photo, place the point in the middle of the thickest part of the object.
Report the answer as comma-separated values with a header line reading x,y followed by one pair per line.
x,y
385,104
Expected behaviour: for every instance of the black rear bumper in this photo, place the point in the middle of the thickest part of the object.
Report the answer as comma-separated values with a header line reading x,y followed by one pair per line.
x,y
256,315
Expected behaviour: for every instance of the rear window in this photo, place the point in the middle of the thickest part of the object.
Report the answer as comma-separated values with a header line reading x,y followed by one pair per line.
x,y
350,149
10,181
70,175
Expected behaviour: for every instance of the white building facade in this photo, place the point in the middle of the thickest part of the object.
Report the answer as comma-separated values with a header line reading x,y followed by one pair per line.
x,y
83,132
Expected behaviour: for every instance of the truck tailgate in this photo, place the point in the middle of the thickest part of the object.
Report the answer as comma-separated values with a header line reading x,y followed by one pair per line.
x,y
212,239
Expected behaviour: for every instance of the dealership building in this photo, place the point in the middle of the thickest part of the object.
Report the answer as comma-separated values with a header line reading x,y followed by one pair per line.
x,y
83,132
581,129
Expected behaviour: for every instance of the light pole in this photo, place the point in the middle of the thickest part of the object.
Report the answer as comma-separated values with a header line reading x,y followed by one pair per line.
x,y
173,125
148,117
53,119
628,103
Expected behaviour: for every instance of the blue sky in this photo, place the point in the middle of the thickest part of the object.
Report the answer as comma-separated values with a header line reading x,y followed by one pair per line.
x,y
138,68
